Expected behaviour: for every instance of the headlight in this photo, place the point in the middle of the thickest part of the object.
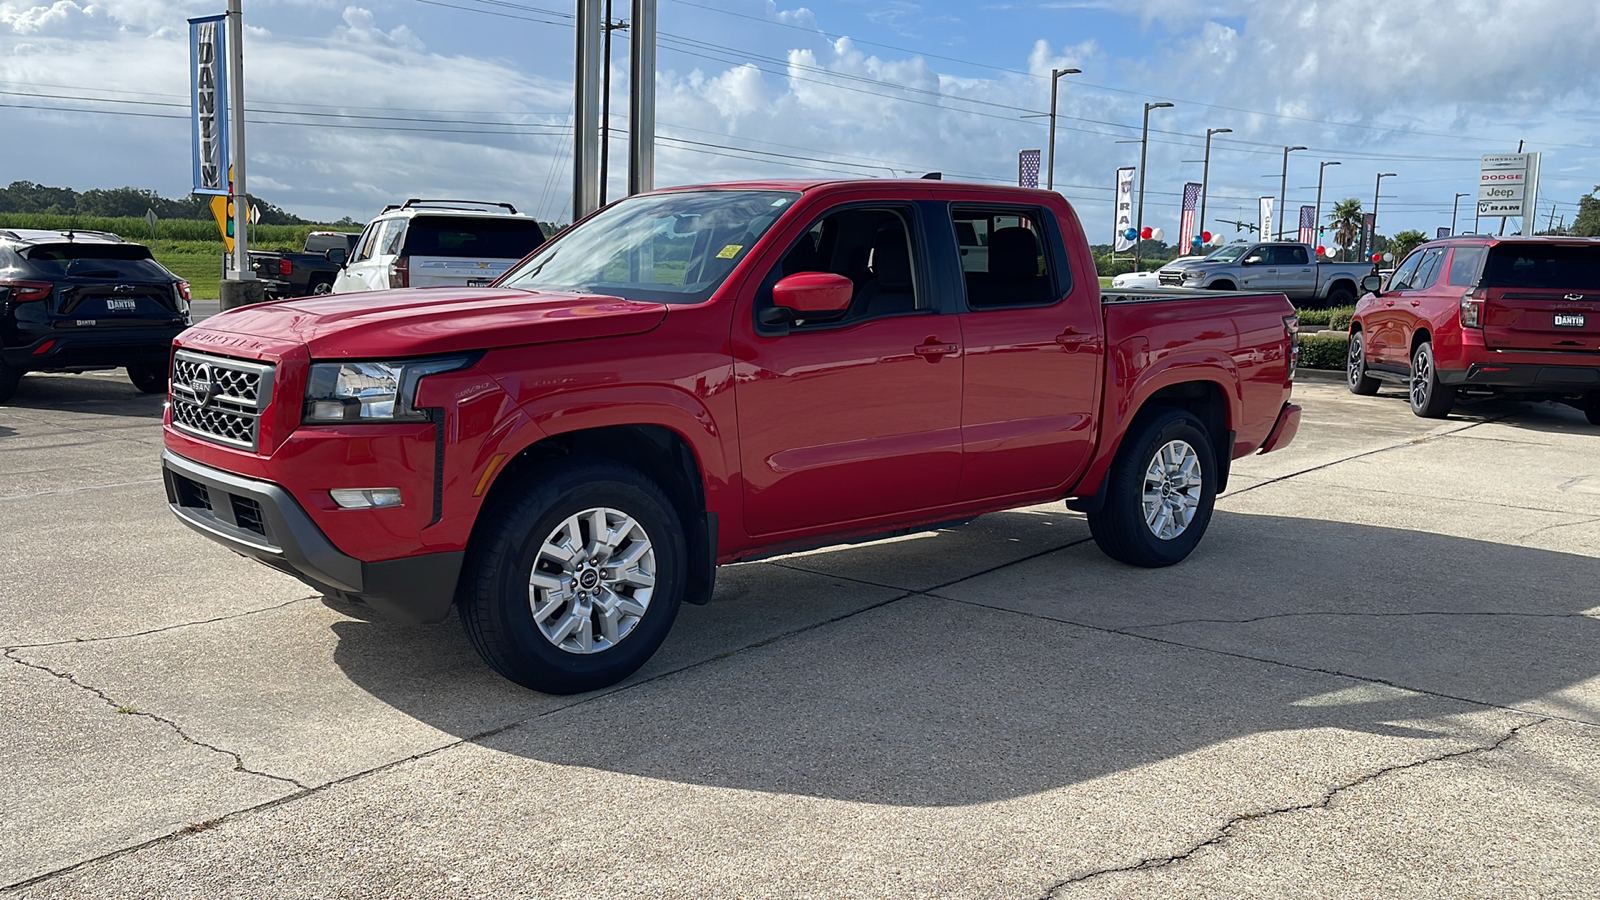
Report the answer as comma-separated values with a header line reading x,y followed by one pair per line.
x,y
370,391
1194,275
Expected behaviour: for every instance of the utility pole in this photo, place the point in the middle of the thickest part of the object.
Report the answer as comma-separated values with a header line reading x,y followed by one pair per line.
x,y
1205,176
1322,168
1144,145
1454,207
586,111
1050,170
605,102
642,99
239,286
1375,187
1283,190
1552,223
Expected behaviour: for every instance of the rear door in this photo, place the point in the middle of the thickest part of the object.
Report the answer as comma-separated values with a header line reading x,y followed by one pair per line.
x,y
466,251
1297,277
1542,296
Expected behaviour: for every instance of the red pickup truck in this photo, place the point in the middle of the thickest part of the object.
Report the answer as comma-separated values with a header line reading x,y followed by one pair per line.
x,y
704,375
1512,315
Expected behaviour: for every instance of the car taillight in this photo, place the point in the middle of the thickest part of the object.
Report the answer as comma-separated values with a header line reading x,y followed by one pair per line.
x,y
285,267
400,272
1291,326
26,291
1472,308
183,290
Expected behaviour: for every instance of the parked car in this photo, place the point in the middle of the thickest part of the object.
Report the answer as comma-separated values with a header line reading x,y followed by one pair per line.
x,y
309,272
703,375
1282,266
74,301
1145,281
438,243
1480,314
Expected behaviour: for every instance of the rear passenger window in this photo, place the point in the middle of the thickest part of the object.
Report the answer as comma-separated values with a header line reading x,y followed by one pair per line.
x,y
1012,267
1464,266
1428,269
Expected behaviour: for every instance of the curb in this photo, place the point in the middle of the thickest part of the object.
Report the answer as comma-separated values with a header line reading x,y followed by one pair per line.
x,y
1320,376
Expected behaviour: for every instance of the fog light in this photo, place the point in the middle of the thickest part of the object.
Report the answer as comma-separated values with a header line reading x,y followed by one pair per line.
x,y
366,498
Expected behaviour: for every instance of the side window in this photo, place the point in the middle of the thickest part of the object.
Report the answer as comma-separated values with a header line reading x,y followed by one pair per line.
x,y
1401,279
363,247
392,237
1292,256
1464,266
1014,269
1429,268
871,246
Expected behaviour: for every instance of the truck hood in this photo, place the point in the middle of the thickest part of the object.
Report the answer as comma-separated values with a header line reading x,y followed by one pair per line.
x,y
428,321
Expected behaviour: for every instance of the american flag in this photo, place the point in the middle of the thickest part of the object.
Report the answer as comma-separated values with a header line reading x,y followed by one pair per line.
x,y
1028,169
1308,224
1191,199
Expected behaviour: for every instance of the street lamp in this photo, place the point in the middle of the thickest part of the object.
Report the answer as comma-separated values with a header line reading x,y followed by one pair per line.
x,y
1144,146
1283,190
1376,186
1321,168
1205,179
1453,208
1050,171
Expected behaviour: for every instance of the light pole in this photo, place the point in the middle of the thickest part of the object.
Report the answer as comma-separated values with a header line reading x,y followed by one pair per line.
x,y
1376,186
1454,207
1321,168
1144,146
1283,190
1205,178
1050,170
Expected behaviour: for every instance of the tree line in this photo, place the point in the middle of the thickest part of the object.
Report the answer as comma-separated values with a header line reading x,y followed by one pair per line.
x,y
27,197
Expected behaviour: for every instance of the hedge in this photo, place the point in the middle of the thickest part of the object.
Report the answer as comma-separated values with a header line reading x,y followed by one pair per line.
x,y
1323,351
1335,319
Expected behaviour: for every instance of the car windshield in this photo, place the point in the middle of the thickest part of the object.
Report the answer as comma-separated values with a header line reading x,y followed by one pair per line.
x,y
95,260
665,248
1229,253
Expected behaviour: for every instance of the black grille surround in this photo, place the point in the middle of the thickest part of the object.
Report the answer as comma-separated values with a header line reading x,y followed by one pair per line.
x,y
220,399
1169,279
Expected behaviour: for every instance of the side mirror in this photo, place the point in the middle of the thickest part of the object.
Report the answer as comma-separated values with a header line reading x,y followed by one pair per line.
x,y
337,256
1252,260
1373,284
814,295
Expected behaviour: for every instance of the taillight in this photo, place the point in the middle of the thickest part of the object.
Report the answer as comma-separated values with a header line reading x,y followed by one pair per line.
x,y
27,291
183,290
400,272
285,267
1291,327
1472,308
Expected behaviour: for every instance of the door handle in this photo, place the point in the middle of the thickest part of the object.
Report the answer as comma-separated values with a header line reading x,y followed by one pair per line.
x,y
1071,340
1388,303
1416,303
933,351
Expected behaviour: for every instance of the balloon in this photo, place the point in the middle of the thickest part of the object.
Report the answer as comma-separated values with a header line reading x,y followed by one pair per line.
x,y
1322,251
1147,233
1157,234
1388,257
1130,234
1205,237
1196,240
1377,257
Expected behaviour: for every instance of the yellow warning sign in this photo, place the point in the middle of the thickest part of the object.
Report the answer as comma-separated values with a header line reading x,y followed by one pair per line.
x,y
730,251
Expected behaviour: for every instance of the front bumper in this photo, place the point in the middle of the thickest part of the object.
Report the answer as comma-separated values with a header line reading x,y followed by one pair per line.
x,y
1525,376
94,348
263,521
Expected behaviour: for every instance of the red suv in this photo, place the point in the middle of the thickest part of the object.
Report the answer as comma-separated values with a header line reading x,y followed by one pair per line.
x,y
1517,315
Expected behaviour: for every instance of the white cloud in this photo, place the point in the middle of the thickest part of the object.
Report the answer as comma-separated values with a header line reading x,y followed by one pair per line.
x,y
800,16
35,19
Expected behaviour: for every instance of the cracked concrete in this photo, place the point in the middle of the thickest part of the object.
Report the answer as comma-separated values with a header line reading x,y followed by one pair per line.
x,y
1322,701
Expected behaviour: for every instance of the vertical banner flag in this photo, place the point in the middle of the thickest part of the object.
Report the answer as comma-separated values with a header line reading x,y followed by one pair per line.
x,y
208,100
1121,240
1191,200
1266,218
1028,169
1444,232
1308,224
1368,227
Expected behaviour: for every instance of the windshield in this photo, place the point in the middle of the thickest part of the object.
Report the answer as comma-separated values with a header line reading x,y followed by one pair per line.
x,y
1229,253
663,248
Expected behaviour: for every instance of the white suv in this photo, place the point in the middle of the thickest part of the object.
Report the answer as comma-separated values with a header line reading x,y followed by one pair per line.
x,y
438,243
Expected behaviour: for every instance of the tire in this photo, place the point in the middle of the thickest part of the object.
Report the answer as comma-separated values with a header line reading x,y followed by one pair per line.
x,y
1173,445
1356,377
1429,398
149,379
1592,413
1341,295
1221,286
9,379
526,530
320,287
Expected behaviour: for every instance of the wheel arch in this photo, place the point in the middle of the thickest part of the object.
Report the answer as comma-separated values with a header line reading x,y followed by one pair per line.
x,y
1420,337
1204,394
1222,284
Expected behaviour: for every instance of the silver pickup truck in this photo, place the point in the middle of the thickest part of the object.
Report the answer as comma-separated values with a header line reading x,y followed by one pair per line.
x,y
1279,266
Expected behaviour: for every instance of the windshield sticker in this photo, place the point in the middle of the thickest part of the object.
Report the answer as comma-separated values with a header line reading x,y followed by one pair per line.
x,y
730,251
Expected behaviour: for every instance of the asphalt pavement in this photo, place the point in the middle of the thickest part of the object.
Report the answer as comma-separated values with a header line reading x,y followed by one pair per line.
x,y
1375,678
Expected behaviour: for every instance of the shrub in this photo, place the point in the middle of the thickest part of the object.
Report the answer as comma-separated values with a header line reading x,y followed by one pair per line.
x,y
1335,319
1323,351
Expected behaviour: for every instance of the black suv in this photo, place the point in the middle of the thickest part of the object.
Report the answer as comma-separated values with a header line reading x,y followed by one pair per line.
x,y
71,301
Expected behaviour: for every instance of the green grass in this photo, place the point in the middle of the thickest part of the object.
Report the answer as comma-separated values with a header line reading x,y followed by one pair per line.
x,y
197,262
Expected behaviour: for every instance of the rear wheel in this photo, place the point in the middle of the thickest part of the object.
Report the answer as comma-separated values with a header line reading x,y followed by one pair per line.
x,y
576,578
149,379
1591,408
9,379
1356,377
1342,295
1429,398
1159,493
321,286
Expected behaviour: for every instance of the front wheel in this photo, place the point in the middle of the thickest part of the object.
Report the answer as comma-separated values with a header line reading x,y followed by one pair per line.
x,y
576,577
149,379
1356,377
9,379
1159,493
1429,398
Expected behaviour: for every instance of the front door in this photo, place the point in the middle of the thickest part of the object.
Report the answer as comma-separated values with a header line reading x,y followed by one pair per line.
x,y
857,417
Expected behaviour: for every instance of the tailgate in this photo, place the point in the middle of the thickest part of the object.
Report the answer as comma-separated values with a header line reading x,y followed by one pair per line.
x,y
455,271
1543,296
119,304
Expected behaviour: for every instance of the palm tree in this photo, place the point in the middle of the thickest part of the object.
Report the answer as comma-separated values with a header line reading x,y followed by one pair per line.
x,y
1346,222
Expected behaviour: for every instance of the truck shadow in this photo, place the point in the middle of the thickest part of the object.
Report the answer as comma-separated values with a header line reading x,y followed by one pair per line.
x,y
1057,670
1545,416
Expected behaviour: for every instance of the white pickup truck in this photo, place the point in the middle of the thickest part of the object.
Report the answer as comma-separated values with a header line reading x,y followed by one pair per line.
x,y
1279,266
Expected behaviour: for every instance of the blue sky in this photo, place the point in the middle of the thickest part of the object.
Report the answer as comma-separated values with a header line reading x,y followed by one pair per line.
x,y
472,98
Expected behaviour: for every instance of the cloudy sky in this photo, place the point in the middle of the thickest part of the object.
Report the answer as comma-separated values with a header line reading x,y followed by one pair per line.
x,y
353,105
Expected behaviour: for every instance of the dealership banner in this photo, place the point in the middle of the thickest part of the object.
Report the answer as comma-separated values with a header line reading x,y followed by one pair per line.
x,y
208,100
1266,217
1028,168
1444,232
1124,210
1507,185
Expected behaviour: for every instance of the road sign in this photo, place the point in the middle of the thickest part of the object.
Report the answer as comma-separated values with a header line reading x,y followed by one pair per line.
x,y
150,219
255,214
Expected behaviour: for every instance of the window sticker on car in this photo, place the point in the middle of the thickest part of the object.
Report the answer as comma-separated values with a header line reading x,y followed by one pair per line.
x,y
730,251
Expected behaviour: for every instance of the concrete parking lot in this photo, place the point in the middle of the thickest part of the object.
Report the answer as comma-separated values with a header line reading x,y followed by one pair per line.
x,y
1375,678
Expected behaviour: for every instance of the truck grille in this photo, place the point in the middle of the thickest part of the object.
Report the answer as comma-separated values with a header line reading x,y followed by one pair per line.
x,y
1169,279
220,399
